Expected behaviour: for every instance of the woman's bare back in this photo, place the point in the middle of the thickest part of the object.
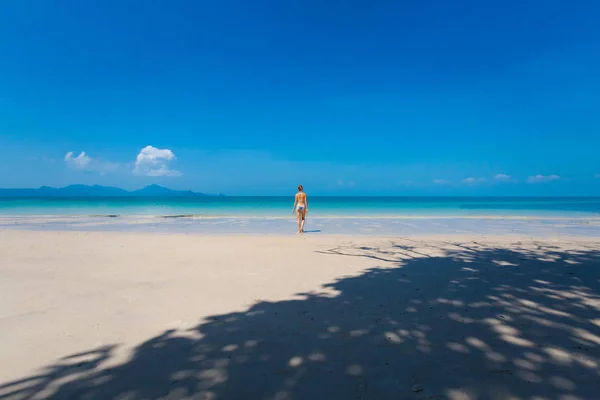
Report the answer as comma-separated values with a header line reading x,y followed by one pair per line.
x,y
301,198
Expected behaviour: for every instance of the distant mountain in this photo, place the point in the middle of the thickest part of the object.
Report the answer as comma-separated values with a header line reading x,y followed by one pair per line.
x,y
157,191
97,191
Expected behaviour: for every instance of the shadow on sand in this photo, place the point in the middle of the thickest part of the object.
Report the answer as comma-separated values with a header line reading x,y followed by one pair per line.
x,y
471,323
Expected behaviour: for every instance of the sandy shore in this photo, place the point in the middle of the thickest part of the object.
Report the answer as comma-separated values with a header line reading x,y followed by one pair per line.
x,y
137,315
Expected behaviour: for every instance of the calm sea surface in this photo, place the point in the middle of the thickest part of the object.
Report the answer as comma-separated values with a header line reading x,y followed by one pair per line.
x,y
319,206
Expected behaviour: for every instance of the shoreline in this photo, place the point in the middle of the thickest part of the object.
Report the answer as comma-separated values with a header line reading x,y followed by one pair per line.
x,y
316,226
318,216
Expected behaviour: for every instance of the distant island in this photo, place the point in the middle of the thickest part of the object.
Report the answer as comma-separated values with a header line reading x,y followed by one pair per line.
x,y
99,191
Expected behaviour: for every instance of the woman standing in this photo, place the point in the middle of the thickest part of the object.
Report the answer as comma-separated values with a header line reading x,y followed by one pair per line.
x,y
300,208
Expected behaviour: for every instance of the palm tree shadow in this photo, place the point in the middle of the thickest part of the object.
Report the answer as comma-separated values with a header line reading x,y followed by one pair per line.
x,y
471,323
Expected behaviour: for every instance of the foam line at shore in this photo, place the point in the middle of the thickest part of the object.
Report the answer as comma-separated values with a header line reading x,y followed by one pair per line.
x,y
280,217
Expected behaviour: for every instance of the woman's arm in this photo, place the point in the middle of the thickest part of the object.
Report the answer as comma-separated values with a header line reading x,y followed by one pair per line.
x,y
295,202
306,202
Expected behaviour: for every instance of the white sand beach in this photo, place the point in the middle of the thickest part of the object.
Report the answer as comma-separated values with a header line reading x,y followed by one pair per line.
x,y
103,315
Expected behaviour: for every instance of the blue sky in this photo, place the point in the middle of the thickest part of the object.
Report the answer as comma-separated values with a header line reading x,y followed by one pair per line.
x,y
347,97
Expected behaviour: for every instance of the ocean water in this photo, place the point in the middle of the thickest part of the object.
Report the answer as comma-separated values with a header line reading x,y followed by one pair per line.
x,y
327,215
319,206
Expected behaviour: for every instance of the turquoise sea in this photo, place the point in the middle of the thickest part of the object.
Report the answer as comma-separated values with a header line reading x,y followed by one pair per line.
x,y
319,206
327,215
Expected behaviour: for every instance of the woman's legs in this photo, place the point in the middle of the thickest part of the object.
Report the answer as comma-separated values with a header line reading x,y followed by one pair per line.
x,y
303,220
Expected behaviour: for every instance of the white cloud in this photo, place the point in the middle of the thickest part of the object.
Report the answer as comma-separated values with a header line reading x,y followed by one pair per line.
x,y
542,178
441,182
81,162
154,162
502,177
470,181
149,162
